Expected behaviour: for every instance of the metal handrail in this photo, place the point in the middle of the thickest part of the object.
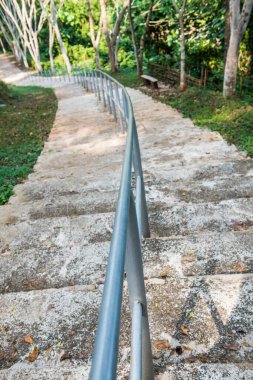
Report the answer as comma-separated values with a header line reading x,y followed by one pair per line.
x,y
130,224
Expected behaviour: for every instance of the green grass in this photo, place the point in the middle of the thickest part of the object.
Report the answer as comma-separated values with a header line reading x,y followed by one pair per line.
x,y
25,120
128,77
232,118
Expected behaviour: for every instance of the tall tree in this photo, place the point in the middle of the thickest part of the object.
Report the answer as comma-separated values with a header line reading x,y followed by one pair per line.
x,y
95,39
111,36
238,23
52,20
180,12
139,50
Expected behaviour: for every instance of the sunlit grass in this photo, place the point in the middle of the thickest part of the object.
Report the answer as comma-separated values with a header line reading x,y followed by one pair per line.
x,y
26,118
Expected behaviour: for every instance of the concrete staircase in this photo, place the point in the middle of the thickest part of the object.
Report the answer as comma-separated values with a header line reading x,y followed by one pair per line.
x,y
55,236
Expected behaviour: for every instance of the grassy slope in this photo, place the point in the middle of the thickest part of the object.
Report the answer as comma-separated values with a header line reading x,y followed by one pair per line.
x,y
232,118
25,122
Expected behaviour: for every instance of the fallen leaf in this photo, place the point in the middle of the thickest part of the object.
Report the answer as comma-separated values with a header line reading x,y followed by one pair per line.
x,y
48,352
239,267
192,252
13,355
234,346
179,350
65,356
1,355
12,309
185,330
190,359
58,344
202,358
28,339
187,259
50,306
156,305
186,348
157,356
162,345
33,355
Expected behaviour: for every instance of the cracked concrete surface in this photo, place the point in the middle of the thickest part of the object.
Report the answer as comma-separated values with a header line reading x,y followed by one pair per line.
x,y
55,236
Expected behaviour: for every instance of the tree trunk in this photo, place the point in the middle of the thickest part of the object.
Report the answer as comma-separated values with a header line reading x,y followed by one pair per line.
x,y
183,84
139,56
182,43
227,31
107,36
238,24
94,40
2,45
51,44
97,58
230,74
59,38
6,37
139,71
111,41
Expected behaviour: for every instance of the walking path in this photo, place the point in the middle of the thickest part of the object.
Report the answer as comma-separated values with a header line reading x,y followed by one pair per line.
x,y
55,234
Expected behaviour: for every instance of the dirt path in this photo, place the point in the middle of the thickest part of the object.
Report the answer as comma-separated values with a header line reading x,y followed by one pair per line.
x,y
55,235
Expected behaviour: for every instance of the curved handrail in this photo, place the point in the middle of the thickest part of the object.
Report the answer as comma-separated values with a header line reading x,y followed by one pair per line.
x,y
130,224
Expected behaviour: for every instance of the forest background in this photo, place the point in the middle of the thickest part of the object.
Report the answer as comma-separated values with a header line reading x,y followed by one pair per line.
x,y
202,49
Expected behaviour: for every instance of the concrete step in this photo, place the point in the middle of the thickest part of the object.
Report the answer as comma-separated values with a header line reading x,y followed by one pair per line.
x,y
58,320
185,219
202,319
92,202
48,234
202,190
202,170
199,255
214,371
67,261
208,319
197,371
47,371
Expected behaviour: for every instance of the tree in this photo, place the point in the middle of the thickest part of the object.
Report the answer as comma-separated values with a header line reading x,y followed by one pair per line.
x,y
182,43
111,37
24,23
52,20
139,51
95,39
238,24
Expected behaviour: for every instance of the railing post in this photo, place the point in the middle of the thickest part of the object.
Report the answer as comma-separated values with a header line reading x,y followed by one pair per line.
x,y
112,101
141,203
108,95
94,82
119,105
98,86
125,109
136,289
102,88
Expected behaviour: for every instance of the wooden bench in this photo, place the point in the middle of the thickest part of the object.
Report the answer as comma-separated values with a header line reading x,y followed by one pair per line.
x,y
148,80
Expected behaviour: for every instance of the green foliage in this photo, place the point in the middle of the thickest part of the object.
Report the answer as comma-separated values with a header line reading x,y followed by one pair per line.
x,y
26,121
